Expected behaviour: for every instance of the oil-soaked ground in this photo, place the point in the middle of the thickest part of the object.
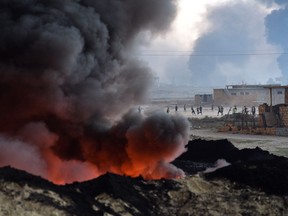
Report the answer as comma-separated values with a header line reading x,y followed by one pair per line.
x,y
255,183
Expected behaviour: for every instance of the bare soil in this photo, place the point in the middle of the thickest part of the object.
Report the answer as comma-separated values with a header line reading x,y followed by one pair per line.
x,y
274,144
206,126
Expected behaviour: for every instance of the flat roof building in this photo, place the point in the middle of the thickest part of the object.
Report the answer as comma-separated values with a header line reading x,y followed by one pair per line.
x,y
251,95
203,99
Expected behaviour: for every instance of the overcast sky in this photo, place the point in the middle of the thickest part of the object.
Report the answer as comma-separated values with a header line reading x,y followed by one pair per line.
x,y
219,42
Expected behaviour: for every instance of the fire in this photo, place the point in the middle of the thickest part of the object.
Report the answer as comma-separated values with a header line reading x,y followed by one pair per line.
x,y
63,172
145,147
67,75
135,146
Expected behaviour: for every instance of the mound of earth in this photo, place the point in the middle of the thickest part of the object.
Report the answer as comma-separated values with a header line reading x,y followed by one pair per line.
x,y
253,184
254,167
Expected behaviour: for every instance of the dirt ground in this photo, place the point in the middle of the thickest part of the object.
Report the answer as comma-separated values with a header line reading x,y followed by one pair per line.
x,y
205,126
274,144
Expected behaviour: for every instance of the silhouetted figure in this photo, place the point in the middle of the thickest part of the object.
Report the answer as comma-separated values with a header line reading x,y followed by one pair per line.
x,y
193,111
200,110
176,108
197,109
139,109
168,109
219,110
230,108
253,110
234,109
245,110
212,107
222,110
184,107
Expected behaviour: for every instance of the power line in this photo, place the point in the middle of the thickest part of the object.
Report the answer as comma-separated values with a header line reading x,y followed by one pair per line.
x,y
211,53
214,50
216,54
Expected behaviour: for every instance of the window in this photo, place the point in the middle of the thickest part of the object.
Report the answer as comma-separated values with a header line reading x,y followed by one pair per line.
x,y
233,93
279,92
241,93
246,93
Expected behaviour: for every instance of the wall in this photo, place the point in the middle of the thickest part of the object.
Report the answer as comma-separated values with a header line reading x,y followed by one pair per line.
x,y
286,96
278,98
224,97
282,117
203,99
249,96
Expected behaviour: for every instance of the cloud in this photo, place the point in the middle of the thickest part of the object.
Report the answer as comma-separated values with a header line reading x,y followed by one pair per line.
x,y
231,50
277,33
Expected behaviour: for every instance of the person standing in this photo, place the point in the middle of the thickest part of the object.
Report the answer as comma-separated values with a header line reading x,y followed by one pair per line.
x,y
222,110
245,110
192,110
253,110
219,110
234,109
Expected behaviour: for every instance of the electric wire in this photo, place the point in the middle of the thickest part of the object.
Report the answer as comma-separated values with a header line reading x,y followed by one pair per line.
x,y
210,53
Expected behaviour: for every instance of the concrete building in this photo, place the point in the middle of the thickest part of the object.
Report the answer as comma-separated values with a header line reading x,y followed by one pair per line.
x,y
203,99
251,95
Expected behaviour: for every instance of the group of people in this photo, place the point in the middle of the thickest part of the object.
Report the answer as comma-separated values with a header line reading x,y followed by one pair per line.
x,y
220,110
176,108
245,110
198,109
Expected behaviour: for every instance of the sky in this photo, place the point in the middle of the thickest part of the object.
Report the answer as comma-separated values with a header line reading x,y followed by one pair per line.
x,y
73,72
70,87
221,42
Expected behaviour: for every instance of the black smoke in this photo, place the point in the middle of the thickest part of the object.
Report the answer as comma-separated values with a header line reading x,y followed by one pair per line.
x,y
69,58
66,74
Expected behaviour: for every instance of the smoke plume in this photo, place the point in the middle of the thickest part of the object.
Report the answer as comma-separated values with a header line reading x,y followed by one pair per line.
x,y
67,76
277,33
233,48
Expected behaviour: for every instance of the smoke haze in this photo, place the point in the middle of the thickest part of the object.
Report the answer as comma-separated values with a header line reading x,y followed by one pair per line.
x,y
231,50
277,33
66,77
213,43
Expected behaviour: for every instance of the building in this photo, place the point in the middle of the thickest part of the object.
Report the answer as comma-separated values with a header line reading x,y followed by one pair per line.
x,y
203,99
251,95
